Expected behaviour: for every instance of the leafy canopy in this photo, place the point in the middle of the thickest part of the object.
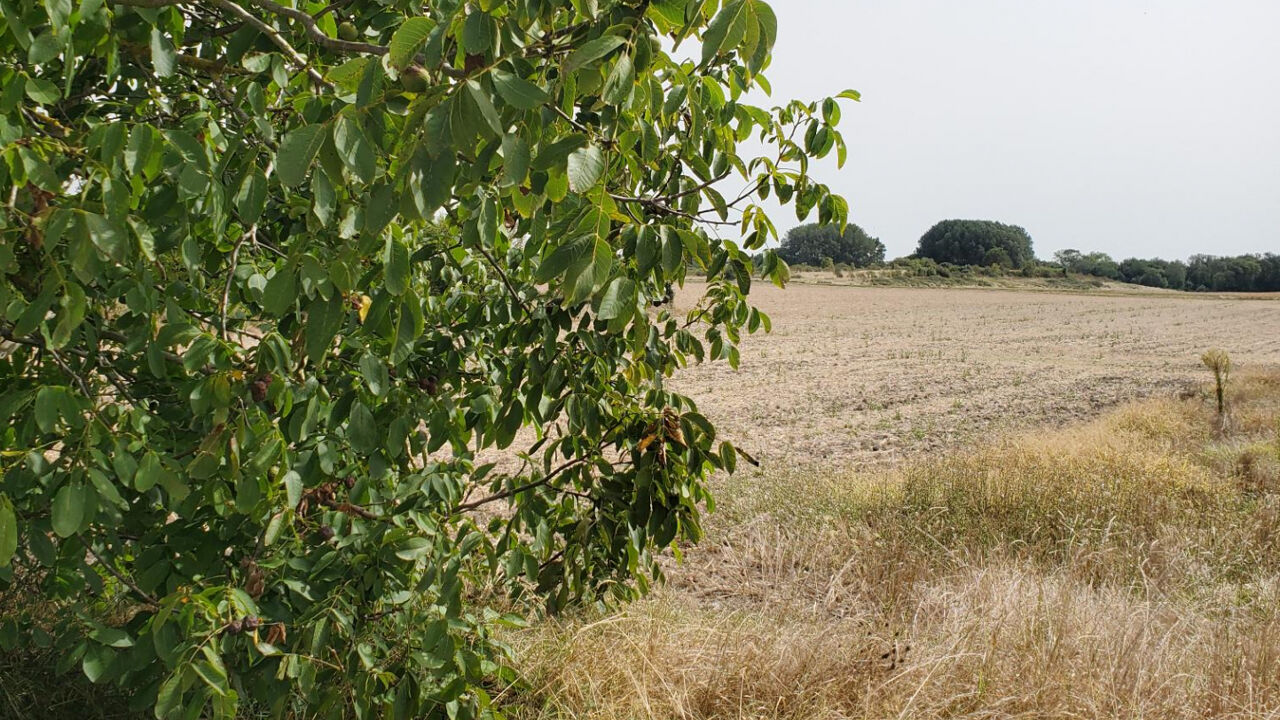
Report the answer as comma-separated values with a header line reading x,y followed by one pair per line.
x,y
813,243
977,242
281,280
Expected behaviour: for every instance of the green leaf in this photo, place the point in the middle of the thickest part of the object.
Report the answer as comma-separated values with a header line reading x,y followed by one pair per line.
x,y
408,326
362,429
348,75
292,488
176,487
150,471
68,509
375,374
517,92
396,260
169,698
209,674
96,662
163,56
380,210
728,457
355,149
47,408
408,39
552,155
587,276
586,8
111,637
509,425
726,30
477,33
138,152
281,292
34,314
619,301
251,198
562,258
8,531
73,312
43,49
672,254
593,51
515,160
766,24
671,12
648,248
297,152
414,548
481,98
106,489
617,89
42,91
324,319
324,197
586,167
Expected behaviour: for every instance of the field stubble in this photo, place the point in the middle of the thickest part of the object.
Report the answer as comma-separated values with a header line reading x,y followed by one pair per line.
x,y
856,375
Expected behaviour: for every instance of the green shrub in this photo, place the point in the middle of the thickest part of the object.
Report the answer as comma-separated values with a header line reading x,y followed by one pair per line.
x,y
271,301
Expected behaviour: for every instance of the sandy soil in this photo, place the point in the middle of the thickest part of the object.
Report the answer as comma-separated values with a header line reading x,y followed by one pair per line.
x,y
852,376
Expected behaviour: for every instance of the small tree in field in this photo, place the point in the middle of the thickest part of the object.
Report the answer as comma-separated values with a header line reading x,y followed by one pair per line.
x,y
275,278
1219,363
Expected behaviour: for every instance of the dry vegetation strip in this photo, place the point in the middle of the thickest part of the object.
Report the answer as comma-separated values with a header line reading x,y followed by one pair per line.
x,y
1126,567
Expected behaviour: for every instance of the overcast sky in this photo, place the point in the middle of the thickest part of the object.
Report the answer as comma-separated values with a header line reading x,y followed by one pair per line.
x,y
1135,128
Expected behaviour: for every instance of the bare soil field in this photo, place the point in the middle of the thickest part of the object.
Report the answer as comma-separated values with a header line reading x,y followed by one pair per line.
x,y
854,375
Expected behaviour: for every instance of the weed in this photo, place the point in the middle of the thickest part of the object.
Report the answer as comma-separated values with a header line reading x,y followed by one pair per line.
x,y
1219,363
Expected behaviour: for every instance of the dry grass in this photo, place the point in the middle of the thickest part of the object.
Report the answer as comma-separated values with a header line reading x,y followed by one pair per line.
x,y
1127,567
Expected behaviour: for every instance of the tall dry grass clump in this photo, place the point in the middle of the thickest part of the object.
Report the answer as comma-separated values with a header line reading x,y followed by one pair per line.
x,y
1124,568
1219,363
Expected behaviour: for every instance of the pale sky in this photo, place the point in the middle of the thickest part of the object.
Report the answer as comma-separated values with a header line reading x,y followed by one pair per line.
x,y
1146,129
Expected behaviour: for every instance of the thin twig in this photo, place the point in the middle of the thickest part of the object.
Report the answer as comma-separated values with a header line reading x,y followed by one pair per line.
x,y
519,489
151,600
505,280
231,275
576,125
84,387
663,209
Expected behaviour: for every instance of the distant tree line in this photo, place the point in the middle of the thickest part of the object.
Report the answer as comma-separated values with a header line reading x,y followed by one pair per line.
x,y
1241,273
988,247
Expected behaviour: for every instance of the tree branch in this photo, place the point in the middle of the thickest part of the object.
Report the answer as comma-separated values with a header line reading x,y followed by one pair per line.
x,y
505,280
298,58
211,67
664,209
151,600
316,34
464,507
